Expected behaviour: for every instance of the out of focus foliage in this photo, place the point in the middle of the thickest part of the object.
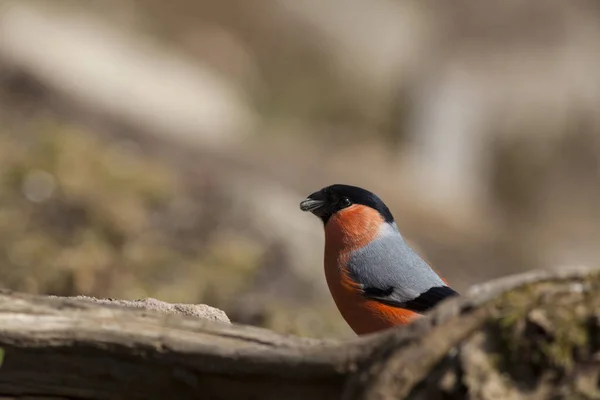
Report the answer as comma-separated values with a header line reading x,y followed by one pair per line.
x,y
80,214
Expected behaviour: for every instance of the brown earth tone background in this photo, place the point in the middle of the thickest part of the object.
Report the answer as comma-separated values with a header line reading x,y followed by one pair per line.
x,y
160,149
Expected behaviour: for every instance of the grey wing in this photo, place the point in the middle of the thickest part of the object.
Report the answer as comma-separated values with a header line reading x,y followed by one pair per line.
x,y
389,271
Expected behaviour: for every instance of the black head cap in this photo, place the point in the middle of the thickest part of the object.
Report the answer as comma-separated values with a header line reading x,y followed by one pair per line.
x,y
331,199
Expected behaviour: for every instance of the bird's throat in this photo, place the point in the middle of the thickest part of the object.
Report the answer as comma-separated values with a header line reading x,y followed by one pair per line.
x,y
352,228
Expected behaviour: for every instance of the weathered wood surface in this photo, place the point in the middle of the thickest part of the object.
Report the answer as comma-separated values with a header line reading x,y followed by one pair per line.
x,y
527,336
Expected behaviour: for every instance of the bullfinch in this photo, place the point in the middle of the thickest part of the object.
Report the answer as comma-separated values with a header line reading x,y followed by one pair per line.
x,y
376,280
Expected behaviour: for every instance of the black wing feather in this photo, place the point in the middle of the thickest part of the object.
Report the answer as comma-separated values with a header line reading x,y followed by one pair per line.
x,y
424,302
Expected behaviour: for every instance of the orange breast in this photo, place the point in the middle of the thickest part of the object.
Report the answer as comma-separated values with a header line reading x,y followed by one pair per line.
x,y
346,231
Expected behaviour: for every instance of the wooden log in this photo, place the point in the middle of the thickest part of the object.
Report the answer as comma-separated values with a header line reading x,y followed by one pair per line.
x,y
530,333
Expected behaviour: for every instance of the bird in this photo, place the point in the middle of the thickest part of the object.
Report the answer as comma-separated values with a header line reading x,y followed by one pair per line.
x,y
376,279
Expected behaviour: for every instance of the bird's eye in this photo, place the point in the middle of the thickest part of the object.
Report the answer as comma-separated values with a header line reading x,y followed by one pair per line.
x,y
345,202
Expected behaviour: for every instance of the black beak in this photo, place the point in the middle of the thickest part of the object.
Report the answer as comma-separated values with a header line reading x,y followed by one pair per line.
x,y
311,204
313,201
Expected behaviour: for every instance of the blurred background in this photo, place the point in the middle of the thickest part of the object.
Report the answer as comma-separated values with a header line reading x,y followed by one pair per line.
x,y
153,148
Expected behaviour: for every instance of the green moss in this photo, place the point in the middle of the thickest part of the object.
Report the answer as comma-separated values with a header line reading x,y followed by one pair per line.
x,y
540,332
569,335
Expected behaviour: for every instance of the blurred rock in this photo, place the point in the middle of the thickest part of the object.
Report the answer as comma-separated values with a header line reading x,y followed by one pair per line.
x,y
118,73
